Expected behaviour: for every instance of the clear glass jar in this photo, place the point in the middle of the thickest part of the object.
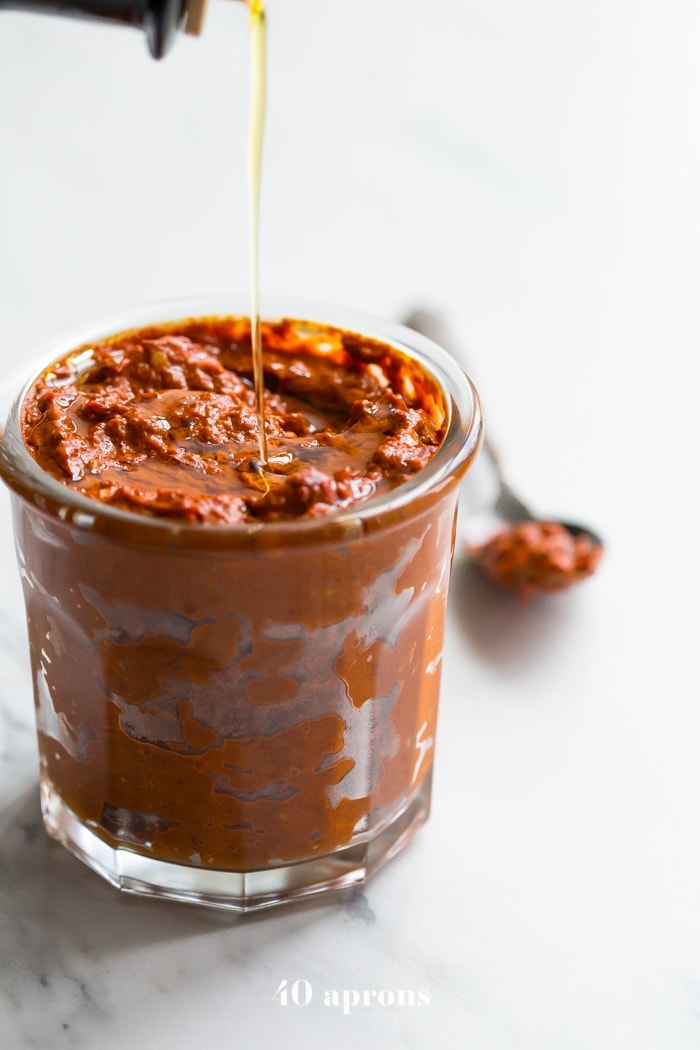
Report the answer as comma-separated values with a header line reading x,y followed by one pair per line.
x,y
238,715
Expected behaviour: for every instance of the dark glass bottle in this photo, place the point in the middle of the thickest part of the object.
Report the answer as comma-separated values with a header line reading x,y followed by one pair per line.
x,y
159,19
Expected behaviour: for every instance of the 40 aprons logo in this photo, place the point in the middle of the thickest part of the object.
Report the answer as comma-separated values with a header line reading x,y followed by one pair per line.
x,y
370,1000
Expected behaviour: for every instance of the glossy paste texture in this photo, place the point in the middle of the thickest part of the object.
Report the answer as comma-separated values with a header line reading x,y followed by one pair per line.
x,y
164,421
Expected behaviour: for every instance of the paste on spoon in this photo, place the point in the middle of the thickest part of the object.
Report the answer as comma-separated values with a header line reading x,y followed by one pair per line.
x,y
533,556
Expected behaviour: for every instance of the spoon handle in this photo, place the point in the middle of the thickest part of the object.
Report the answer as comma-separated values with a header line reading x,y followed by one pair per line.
x,y
508,506
429,324
516,550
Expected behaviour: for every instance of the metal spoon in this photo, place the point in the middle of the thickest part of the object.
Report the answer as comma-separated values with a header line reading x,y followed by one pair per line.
x,y
507,512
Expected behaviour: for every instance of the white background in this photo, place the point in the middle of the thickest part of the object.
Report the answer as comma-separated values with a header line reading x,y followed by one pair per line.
x,y
530,170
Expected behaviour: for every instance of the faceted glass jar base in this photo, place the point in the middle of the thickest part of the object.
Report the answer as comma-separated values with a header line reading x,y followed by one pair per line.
x,y
235,891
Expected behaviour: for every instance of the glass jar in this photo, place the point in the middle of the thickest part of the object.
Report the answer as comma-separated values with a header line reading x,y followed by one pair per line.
x,y
238,715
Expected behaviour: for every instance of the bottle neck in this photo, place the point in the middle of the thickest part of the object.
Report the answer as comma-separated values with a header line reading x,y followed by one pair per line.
x,y
160,19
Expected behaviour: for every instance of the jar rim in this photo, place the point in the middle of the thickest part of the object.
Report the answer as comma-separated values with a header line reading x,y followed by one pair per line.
x,y
27,478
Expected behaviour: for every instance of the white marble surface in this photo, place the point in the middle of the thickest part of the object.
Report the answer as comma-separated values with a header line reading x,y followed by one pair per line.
x,y
532,171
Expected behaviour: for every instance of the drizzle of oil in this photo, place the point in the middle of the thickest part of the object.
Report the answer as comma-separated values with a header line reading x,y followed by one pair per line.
x,y
258,51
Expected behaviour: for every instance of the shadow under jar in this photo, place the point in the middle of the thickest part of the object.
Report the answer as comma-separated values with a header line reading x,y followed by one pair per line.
x,y
239,714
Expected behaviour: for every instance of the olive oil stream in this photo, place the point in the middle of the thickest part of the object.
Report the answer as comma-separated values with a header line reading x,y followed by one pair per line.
x,y
258,53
